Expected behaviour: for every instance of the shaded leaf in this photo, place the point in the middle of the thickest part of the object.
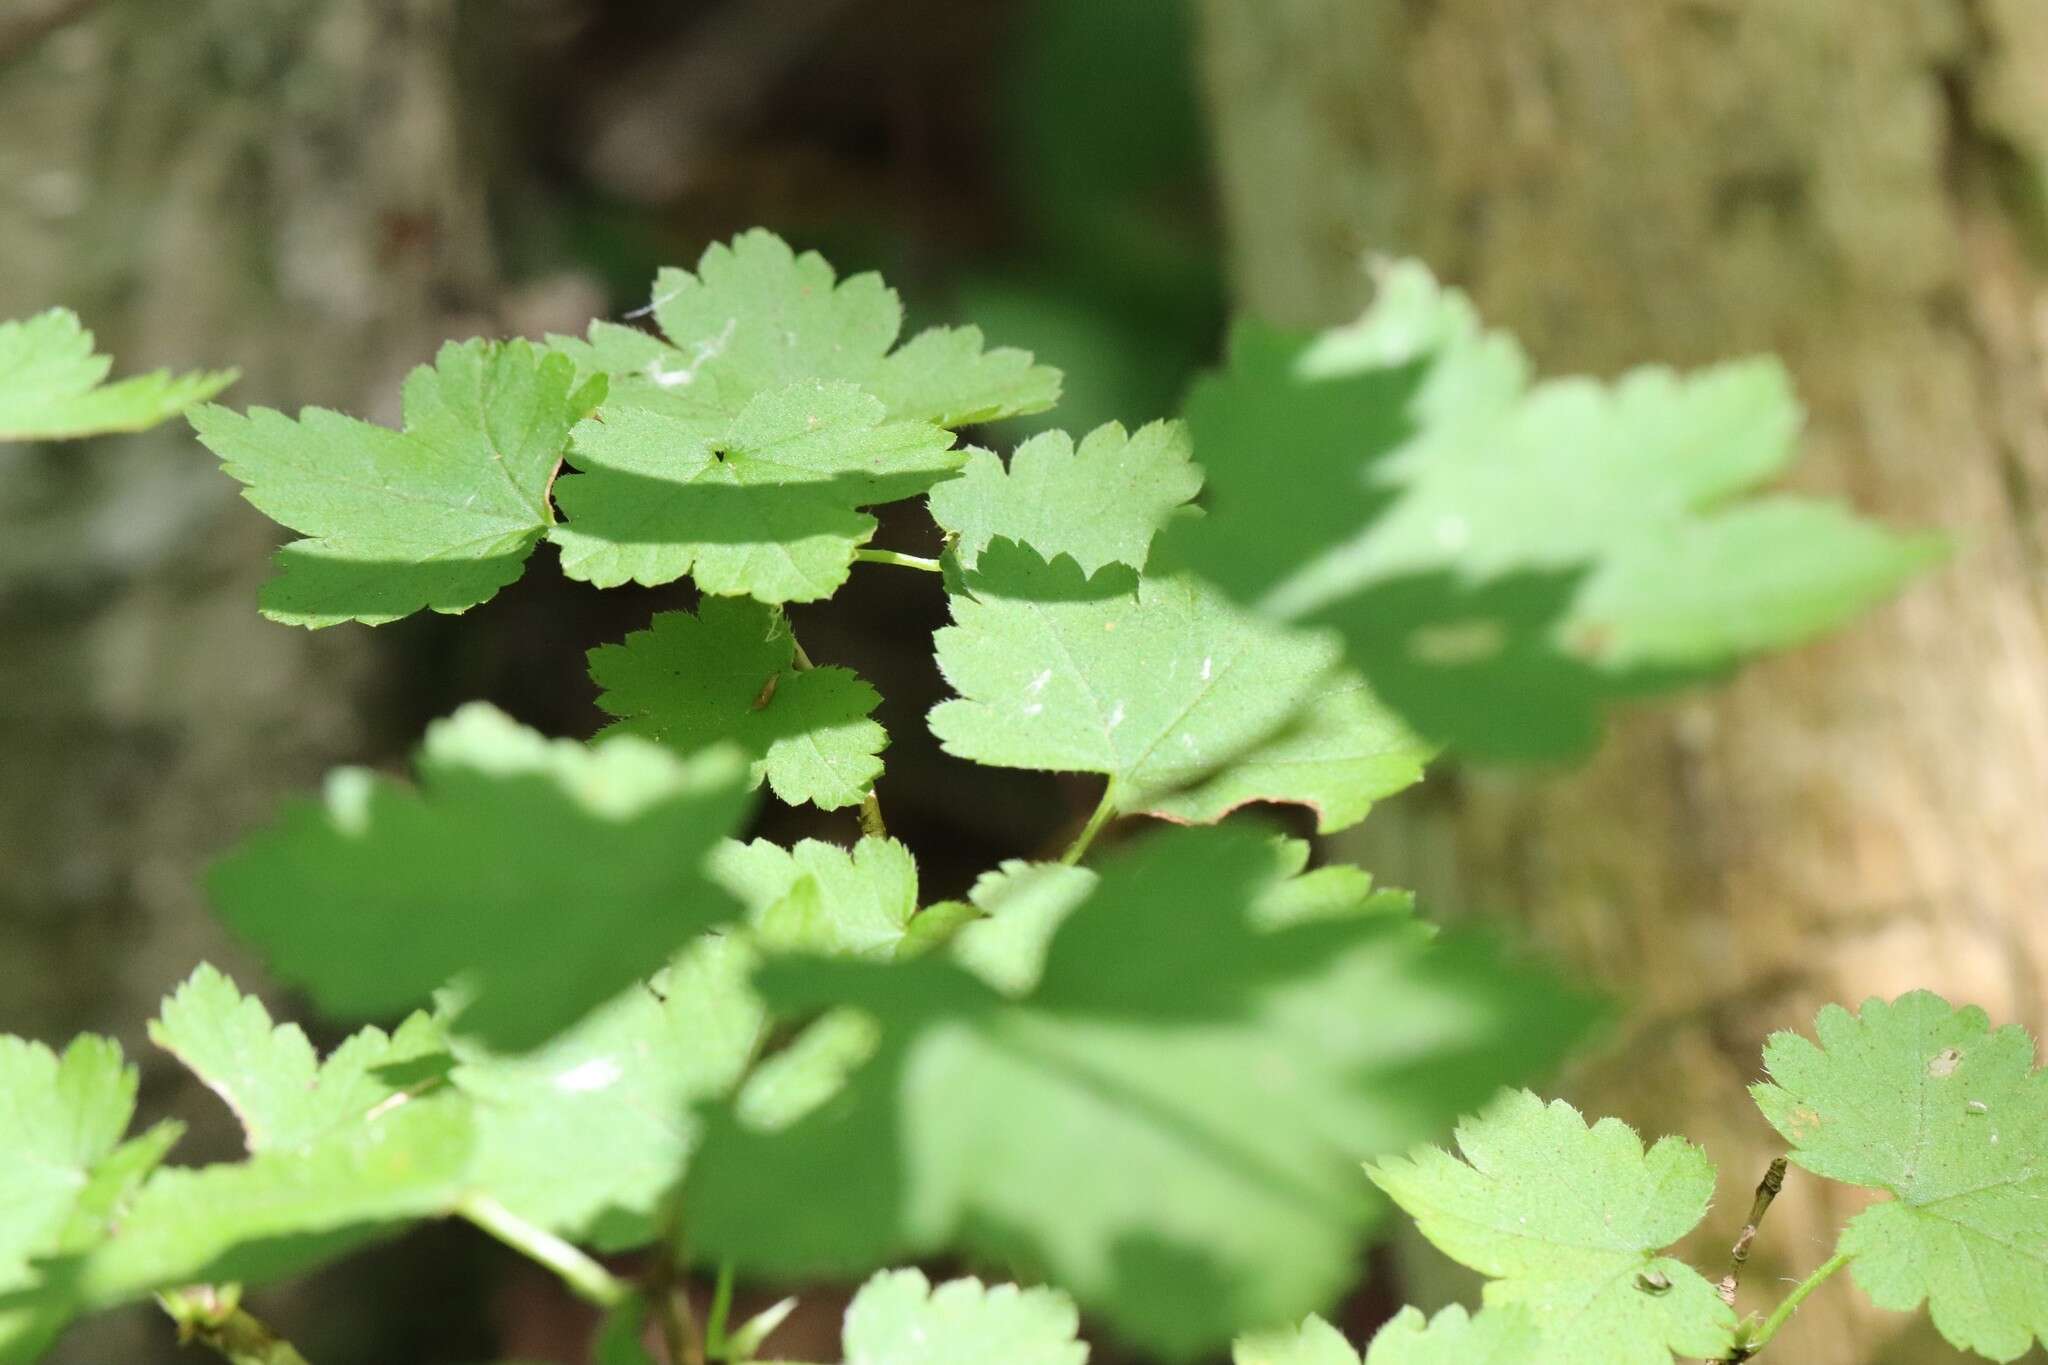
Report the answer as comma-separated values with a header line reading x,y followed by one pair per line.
x,y
729,673
1171,1055
440,515
758,504
1503,557
547,875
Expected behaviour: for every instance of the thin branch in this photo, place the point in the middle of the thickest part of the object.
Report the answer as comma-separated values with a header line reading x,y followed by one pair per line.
x,y
585,1277
901,561
1766,1191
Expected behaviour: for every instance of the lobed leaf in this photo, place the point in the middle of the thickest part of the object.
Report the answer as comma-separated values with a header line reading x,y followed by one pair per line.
x,y
729,674
1098,504
66,1175
1949,1116
1503,557
1571,1223
1189,705
440,515
1170,1054
860,900
546,875
761,503
898,1318
756,316
52,386
283,1095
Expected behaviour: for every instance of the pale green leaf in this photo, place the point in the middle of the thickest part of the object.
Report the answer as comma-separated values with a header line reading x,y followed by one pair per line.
x,y
52,386
1171,1055
761,504
1157,683
757,316
587,1135
1950,1117
282,1093
898,1318
1098,504
281,1211
862,898
729,673
1341,753
549,876
440,515
1503,1335
1315,1342
1502,557
1572,1224
66,1175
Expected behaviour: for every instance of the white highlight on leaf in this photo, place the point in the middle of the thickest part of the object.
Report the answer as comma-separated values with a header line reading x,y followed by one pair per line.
x,y
599,1073
1038,683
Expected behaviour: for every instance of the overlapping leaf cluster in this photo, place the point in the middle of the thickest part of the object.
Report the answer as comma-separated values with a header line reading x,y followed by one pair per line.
x,y
1572,1223
595,1016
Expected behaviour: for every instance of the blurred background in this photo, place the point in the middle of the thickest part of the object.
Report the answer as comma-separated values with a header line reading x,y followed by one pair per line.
x,y
320,191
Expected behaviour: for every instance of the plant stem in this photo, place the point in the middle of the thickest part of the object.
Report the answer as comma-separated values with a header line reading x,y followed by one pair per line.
x,y
901,561
1105,810
721,1309
589,1280
1762,1336
1766,1191
217,1321
671,1299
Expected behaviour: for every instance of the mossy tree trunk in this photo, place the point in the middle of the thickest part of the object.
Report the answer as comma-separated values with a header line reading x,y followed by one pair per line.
x,y
1857,185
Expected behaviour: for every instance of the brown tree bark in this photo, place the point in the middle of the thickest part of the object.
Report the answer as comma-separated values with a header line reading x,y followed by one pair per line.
x,y
279,186
1857,185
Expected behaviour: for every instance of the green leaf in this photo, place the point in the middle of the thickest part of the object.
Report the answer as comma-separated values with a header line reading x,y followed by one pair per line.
x,y
756,317
280,1091
52,385
282,1211
761,504
587,1135
1340,754
1571,1222
1315,1342
1501,557
440,515
66,1175
729,673
1165,1123
863,897
1497,1336
1098,505
549,876
1153,682
898,1318
1949,1116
